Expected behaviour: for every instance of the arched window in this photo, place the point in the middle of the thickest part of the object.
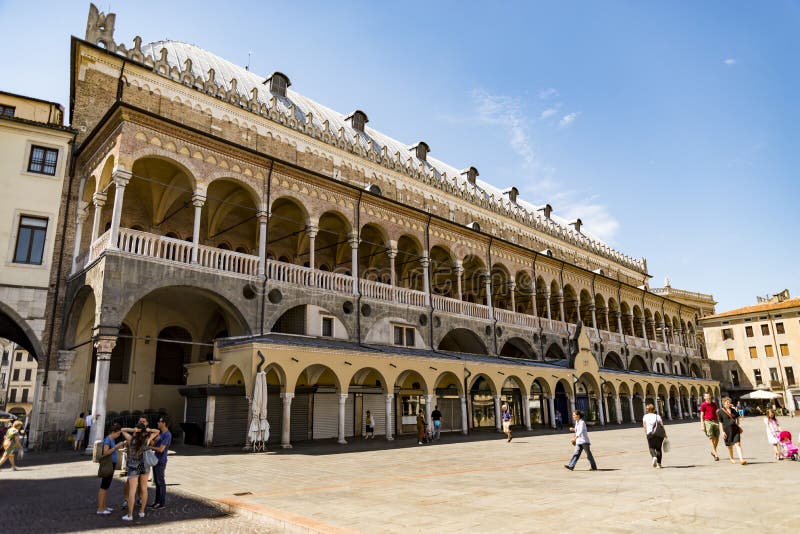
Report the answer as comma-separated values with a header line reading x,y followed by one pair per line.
x,y
172,352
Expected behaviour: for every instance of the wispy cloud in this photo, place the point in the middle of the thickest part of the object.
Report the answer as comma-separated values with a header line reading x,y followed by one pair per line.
x,y
730,61
509,113
568,119
548,93
549,112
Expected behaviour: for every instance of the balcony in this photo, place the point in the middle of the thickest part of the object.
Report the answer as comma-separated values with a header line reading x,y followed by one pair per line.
x,y
230,263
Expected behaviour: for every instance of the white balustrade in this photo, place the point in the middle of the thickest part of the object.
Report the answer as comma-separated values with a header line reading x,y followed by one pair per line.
x,y
514,318
289,273
390,293
99,245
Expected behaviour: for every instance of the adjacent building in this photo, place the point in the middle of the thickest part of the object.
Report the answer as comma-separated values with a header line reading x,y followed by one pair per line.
x,y
17,379
224,223
757,347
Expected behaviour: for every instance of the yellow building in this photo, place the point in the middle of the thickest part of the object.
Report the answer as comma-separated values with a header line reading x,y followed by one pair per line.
x,y
17,379
223,216
755,347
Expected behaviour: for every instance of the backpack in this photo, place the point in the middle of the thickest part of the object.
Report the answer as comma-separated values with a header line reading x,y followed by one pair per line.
x,y
97,451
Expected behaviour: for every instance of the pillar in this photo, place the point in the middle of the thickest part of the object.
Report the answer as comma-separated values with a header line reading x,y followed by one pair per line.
x,y
619,323
459,274
630,407
392,253
644,328
489,300
79,220
197,201
354,261
498,414
99,200
561,305
311,232
606,314
533,300
526,414
121,179
428,409
464,422
342,401
104,345
680,408
389,420
594,316
286,420
571,407
547,299
668,407
551,408
513,286
663,332
602,409
618,405
263,216
426,280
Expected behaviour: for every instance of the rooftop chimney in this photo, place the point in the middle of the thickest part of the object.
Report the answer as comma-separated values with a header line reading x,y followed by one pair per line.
x,y
547,209
422,150
358,119
472,174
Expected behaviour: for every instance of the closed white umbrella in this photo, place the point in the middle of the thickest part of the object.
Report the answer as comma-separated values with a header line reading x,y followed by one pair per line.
x,y
259,393
761,394
263,424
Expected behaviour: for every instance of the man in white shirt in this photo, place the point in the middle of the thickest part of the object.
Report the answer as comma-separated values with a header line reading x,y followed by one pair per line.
x,y
88,424
581,442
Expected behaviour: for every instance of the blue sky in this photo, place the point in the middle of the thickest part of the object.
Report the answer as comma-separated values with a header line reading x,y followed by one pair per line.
x,y
669,128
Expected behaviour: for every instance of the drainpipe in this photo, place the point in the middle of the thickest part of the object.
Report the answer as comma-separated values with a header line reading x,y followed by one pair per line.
x,y
266,237
538,315
644,320
563,308
430,274
490,297
355,268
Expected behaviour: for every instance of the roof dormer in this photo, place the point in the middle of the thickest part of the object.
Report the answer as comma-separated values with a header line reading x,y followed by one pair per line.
x,y
472,174
278,83
577,223
421,149
358,119
512,194
547,209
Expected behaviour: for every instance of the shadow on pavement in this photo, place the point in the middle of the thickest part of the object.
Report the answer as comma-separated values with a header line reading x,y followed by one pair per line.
x,y
69,504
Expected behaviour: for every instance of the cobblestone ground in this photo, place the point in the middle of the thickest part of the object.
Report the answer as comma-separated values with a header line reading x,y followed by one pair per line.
x,y
56,492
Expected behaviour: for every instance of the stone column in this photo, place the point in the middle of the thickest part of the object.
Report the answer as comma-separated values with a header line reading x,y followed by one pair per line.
x,y
526,414
656,403
533,300
601,408
618,405
392,253
663,332
547,299
513,286
551,408
668,408
459,269
571,407
606,314
426,281
389,420
680,408
79,220
286,420
644,406
464,416
198,200
99,200
121,179
592,308
498,414
644,328
489,300
561,305
428,409
311,232
619,323
263,216
630,407
354,260
342,401
104,346
689,406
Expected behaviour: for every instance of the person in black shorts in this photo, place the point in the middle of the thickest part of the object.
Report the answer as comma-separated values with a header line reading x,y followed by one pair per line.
x,y
436,417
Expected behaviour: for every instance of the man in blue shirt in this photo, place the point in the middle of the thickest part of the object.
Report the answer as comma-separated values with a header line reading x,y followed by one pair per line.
x,y
161,447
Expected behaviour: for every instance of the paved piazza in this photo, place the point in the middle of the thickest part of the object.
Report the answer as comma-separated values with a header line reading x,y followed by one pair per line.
x,y
476,484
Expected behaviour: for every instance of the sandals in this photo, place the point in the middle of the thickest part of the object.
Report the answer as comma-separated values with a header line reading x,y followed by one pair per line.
x,y
716,458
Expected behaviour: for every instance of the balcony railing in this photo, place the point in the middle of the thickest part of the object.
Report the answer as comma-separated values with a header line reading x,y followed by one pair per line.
x,y
167,249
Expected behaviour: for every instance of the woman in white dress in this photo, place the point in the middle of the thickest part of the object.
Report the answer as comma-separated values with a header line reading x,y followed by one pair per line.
x,y
773,429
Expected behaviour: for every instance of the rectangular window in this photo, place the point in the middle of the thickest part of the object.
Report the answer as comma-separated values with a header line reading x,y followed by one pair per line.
x,y
12,396
404,336
30,357
731,356
727,333
30,240
764,329
753,352
327,326
789,376
773,374
768,351
779,329
7,111
15,375
734,377
748,331
784,349
19,356
24,396
43,160
757,375
27,375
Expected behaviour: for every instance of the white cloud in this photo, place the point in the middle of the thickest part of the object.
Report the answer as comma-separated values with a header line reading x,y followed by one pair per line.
x,y
549,112
568,119
730,61
551,92
509,113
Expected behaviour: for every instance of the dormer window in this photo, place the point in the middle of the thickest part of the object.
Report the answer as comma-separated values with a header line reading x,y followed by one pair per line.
x,y
358,119
472,174
422,150
547,210
512,194
278,83
577,223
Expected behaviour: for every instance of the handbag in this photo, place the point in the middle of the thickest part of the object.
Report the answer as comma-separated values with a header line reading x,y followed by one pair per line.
x,y
150,458
106,467
659,430
741,430
665,445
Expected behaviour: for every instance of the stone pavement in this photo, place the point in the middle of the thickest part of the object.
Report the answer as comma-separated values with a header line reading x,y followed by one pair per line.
x,y
463,484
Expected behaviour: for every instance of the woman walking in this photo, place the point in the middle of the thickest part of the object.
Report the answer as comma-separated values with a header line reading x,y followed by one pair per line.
x,y
110,448
12,444
420,427
655,433
731,431
139,440
80,430
773,430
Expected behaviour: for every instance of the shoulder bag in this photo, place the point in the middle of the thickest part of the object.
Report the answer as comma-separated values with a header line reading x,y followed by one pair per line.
x,y
150,458
106,467
659,430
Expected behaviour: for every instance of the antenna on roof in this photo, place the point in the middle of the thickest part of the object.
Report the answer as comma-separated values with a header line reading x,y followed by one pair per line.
x,y
249,53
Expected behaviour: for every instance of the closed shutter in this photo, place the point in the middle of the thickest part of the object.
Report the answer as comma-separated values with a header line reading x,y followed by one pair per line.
x,y
326,415
230,421
349,416
298,430
451,413
376,404
274,416
196,410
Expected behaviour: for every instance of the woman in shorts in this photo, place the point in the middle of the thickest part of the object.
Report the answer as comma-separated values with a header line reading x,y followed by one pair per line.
x,y
12,444
110,447
139,440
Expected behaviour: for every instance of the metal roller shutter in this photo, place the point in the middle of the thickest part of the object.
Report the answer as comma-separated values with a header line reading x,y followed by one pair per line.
x,y
349,416
451,414
376,404
298,430
230,421
196,410
274,416
326,415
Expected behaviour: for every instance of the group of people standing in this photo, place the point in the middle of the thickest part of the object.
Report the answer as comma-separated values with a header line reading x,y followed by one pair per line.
x,y
137,441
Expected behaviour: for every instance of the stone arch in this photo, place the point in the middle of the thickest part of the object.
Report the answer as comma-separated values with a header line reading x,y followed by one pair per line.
x,y
571,304
613,361
601,312
613,314
524,291
373,260
694,371
473,281
517,347
319,374
286,230
412,380
555,352
333,242
367,377
648,323
292,318
14,328
229,215
233,376
541,296
449,379
443,271
408,268
500,281
585,303
637,363
462,340
625,310
555,307
83,303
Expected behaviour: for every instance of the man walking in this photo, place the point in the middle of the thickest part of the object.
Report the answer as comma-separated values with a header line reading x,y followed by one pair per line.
x,y
161,447
436,417
507,422
581,442
710,423
88,425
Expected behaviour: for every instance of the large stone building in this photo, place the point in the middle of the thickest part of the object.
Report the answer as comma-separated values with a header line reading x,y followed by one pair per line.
x,y
218,216
34,161
754,348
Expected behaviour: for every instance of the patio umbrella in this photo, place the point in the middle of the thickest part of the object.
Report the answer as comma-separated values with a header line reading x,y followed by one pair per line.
x,y
761,394
259,426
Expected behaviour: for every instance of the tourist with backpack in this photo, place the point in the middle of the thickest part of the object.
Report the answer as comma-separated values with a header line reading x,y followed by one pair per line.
x,y
107,458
